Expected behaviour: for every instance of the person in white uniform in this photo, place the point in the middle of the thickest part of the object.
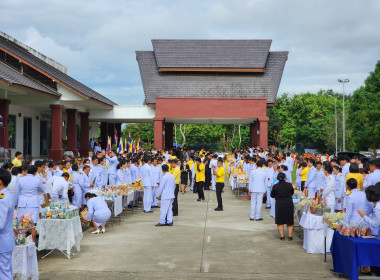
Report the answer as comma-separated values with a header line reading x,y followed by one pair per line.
x,y
257,187
310,183
98,212
166,191
75,177
340,187
213,163
7,239
289,162
60,188
269,170
320,179
329,188
147,182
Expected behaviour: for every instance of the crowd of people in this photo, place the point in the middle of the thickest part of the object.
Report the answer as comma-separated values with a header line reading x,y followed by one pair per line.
x,y
25,184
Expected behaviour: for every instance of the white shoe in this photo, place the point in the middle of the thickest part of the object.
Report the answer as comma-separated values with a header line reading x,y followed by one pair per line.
x,y
96,232
103,230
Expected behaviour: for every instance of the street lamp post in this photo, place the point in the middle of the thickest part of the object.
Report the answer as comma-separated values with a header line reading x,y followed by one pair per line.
x,y
344,119
336,128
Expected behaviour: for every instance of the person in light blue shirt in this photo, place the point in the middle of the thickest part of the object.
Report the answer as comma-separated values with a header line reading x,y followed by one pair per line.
x,y
112,165
372,216
157,174
166,191
7,240
356,200
85,183
374,177
257,187
134,168
310,183
148,184
26,194
98,212
75,177
120,174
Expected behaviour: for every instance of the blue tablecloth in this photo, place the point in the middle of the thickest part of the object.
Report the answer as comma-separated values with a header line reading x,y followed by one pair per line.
x,y
351,252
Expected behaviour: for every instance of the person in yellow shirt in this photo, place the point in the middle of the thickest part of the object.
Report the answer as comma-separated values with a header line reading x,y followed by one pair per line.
x,y
354,173
170,166
177,176
219,183
303,174
17,160
200,177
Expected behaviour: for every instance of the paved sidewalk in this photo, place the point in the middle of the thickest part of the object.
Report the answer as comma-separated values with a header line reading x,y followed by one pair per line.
x,y
202,244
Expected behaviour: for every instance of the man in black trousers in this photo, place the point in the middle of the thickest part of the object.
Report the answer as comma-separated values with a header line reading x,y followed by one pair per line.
x,y
206,162
219,173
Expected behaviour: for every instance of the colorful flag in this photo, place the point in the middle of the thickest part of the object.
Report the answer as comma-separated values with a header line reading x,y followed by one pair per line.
x,y
131,147
108,146
138,144
134,148
129,143
125,145
116,140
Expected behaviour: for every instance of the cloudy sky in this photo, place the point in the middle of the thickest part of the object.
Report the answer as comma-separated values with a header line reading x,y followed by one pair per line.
x,y
97,40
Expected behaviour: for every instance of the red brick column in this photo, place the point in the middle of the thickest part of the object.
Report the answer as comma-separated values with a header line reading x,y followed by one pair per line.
x,y
4,131
84,134
169,135
56,151
72,137
254,137
263,136
159,124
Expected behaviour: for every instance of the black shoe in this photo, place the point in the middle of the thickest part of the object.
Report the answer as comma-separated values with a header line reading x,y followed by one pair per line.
x,y
251,219
203,199
267,207
282,238
198,199
169,225
261,219
290,238
218,209
160,225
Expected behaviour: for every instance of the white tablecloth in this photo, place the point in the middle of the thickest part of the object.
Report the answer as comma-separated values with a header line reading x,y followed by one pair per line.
x,y
130,197
59,234
314,237
118,205
24,262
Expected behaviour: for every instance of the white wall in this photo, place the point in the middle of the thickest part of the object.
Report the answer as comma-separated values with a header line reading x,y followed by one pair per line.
x,y
31,113
94,130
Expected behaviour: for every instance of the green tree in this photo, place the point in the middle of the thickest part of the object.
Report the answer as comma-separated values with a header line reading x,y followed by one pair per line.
x,y
364,113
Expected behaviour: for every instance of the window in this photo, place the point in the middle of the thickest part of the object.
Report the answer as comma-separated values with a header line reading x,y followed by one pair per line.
x,y
12,131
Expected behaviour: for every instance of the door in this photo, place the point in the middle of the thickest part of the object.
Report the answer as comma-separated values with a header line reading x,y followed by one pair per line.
x,y
27,147
44,139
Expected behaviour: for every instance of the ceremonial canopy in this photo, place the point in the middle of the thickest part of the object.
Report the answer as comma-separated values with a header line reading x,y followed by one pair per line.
x,y
211,81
